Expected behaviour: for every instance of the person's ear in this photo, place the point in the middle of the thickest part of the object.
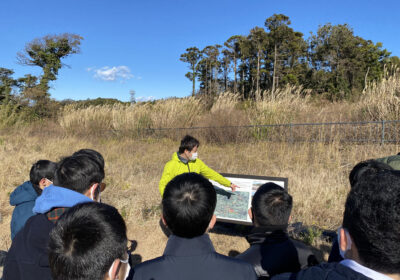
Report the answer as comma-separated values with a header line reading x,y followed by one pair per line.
x,y
343,242
212,222
113,271
42,183
250,212
163,220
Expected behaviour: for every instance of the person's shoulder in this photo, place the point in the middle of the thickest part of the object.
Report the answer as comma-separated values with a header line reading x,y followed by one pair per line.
x,y
234,262
325,271
150,264
251,252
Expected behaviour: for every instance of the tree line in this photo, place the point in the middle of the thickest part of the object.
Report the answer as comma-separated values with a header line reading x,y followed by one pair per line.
x,y
332,61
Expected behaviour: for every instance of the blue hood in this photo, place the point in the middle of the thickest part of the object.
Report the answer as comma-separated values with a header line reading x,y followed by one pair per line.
x,y
54,196
23,193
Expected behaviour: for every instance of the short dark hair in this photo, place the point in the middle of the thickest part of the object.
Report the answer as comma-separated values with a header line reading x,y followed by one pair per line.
x,y
372,217
188,204
188,143
91,153
39,170
271,205
85,242
78,173
366,168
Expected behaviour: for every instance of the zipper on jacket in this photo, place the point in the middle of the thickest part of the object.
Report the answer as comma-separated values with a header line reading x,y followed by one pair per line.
x,y
188,166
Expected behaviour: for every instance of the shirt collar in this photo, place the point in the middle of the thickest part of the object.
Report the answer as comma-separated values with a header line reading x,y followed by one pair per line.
x,y
181,247
364,270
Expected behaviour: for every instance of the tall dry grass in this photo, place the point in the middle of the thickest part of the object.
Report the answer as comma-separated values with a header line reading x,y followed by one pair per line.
x,y
317,177
381,100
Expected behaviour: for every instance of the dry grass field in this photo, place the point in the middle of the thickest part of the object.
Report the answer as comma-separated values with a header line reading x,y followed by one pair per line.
x,y
317,172
317,177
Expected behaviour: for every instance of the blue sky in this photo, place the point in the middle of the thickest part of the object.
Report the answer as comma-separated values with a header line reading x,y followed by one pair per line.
x,y
130,44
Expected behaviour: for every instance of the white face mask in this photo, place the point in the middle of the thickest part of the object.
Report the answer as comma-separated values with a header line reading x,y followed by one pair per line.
x,y
194,156
128,269
343,253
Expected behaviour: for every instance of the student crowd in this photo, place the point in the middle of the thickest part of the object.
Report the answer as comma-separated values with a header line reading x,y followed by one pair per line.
x,y
60,229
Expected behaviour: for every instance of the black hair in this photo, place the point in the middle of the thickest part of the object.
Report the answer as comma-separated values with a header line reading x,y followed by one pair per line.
x,y
188,204
78,173
85,242
91,153
39,170
188,143
366,168
271,205
372,217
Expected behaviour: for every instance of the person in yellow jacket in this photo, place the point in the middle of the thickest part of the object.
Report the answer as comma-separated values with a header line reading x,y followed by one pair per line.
x,y
185,160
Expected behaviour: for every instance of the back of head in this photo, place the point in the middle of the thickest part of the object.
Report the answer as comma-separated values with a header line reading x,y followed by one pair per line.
x,y
366,168
188,143
372,217
78,173
188,204
85,242
95,155
271,205
42,169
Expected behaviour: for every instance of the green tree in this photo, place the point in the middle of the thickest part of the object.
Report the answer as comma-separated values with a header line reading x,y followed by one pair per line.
x,y
258,39
6,83
47,53
287,50
233,51
192,56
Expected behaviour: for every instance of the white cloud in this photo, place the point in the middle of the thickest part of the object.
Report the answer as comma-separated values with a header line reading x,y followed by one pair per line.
x,y
145,98
112,74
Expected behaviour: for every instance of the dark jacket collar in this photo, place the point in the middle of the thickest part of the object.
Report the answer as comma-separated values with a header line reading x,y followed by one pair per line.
x,y
269,234
185,161
183,247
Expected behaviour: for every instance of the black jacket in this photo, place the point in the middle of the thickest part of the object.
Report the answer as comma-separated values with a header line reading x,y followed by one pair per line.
x,y
326,271
272,252
193,259
28,257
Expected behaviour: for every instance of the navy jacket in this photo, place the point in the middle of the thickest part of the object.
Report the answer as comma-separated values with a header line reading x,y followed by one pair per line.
x,y
193,259
326,271
27,258
23,198
272,252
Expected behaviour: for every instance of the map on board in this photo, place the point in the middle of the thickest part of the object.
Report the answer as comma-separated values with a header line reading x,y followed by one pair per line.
x,y
233,206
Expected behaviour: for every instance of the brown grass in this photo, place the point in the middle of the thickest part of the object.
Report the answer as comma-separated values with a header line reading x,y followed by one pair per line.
x,y
317,177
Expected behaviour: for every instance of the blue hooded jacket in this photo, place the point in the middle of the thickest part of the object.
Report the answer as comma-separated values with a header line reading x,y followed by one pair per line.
x,y
54,196
23,198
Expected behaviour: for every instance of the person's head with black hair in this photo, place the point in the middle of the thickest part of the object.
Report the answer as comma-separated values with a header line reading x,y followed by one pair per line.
x,y
95,155
366,168
371,224
89,242
91,153
188,147
42,174
271,206
188,205
80,173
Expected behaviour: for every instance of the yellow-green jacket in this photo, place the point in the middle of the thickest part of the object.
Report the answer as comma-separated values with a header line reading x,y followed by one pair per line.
x,y
176,167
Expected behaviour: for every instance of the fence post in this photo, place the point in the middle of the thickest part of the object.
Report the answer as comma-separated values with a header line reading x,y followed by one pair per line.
x,y
291,133
383,133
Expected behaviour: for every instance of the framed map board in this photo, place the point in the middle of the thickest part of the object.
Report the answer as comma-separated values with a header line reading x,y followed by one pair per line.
x,y
232,206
